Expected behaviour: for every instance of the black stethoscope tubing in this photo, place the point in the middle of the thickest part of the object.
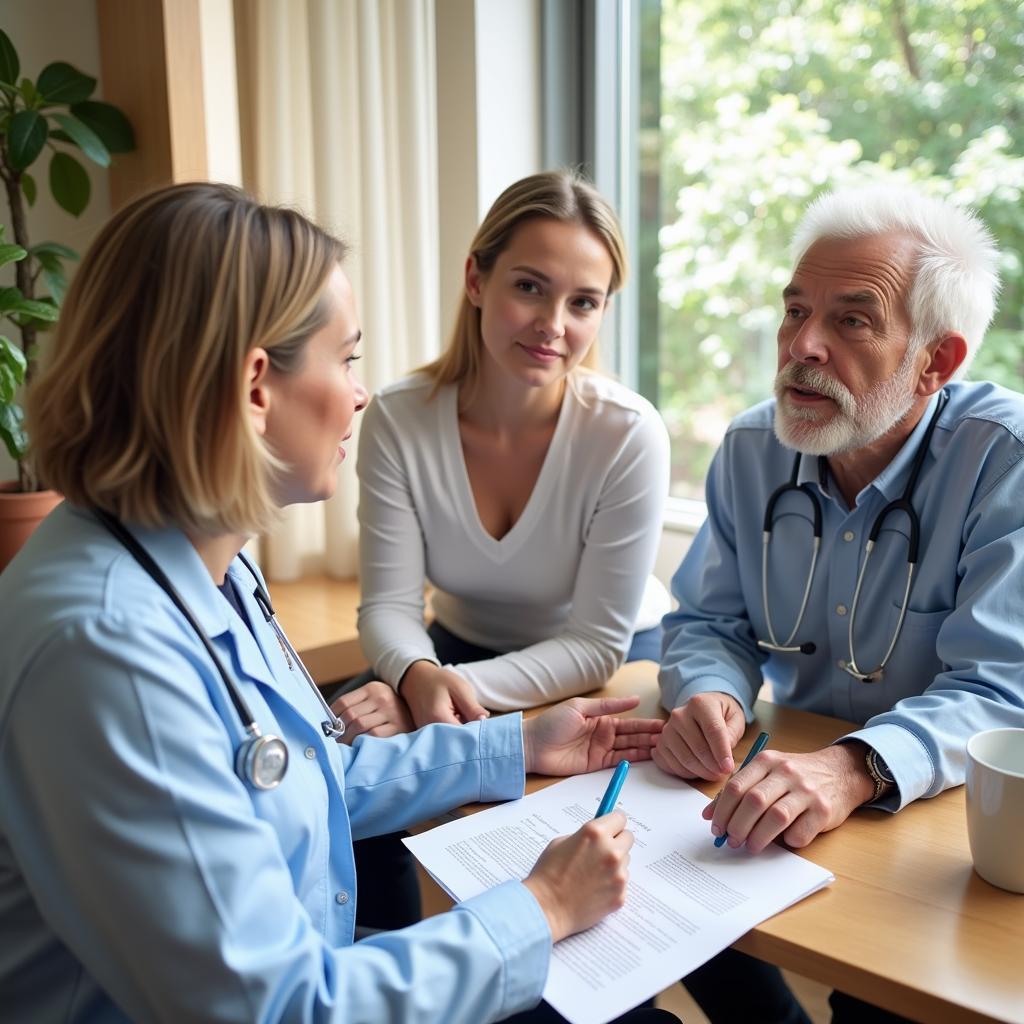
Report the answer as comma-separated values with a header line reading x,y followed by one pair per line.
x,y
902,504
261,760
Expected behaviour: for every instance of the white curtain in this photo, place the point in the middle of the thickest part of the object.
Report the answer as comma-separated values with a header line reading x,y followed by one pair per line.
x,y
339,119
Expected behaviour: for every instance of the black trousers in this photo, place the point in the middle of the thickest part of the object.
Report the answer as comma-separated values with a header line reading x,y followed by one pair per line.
x,y
734,987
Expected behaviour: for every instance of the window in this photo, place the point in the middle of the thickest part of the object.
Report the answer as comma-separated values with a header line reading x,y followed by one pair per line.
x,y
734,115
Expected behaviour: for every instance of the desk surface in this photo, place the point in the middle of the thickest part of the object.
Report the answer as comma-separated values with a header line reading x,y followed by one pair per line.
x,y
319,615
907,924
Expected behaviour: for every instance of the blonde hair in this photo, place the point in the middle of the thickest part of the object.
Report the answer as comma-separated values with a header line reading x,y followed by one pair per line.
x,y
141,408
554,195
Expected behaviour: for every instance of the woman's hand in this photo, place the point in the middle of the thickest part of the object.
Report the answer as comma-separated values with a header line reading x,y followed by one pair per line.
x,y
374,709
580,735
581,878
439,695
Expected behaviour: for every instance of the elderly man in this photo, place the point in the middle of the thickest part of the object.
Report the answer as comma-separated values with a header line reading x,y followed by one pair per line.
x,y
863,552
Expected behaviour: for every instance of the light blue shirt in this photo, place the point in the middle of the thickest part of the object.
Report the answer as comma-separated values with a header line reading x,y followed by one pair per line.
x,y
958,666
141,879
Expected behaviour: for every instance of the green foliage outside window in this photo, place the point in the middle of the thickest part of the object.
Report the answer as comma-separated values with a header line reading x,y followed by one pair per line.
x,y
764,105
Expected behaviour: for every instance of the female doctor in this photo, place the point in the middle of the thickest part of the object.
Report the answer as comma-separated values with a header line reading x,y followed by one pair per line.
x,y
176,816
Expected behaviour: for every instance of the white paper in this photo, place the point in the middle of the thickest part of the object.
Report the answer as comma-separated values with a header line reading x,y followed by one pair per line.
x,y
687,899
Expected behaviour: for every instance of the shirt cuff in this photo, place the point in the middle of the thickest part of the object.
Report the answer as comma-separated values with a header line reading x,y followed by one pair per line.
x,y
676,691
512,917
906,757
502,764
394,666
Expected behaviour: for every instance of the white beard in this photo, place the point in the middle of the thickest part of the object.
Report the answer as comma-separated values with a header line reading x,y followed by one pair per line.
x,y
854,423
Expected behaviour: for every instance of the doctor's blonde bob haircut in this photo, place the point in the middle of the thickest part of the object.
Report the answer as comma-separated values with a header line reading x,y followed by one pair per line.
x,y
564,196
142,409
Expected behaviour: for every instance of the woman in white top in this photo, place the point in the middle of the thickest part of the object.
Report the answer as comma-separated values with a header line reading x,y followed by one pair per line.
x,y
523,486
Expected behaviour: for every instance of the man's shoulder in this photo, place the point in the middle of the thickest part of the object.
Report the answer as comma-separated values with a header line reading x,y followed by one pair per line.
x,y
758,419
984,405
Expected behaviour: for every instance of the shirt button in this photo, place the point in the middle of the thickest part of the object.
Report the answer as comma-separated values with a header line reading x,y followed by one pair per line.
x,y
848,536
840,609
310,753
341,897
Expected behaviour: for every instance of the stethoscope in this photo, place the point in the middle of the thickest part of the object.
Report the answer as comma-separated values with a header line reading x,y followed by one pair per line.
x,y
260,760
901,504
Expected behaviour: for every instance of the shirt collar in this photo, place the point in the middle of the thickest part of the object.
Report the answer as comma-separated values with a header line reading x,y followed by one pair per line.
x,y
176,556
892,481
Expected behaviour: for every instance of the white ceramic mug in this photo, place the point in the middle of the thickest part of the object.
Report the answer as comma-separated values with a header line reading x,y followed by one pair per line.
x,y
995,806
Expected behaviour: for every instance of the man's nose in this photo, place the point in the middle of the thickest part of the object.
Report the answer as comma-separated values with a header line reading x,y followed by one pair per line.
x,y
809,344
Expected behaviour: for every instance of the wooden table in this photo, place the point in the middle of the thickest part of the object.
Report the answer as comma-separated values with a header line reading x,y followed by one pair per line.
x,y
907,924
319,615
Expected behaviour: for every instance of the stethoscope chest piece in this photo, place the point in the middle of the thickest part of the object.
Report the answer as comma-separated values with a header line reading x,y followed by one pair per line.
x,y
263,761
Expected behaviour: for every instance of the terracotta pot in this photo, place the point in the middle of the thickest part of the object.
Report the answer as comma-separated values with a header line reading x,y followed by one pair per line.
x,y
20,514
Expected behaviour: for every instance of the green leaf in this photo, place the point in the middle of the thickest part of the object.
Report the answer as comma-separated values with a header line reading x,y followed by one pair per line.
x,y
53,249
28,186
61,83
85,138
11,254
25,138
9,298
113,128
12,431
8,384
29,93
37,309
12,357
9,63
69,183
58,136
56,282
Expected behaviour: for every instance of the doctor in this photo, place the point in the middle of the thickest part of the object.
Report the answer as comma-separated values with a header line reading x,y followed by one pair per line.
x,y
863,551
176,816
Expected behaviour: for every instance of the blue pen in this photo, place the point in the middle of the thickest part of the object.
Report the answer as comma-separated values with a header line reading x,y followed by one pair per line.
x,y
611,794
758,745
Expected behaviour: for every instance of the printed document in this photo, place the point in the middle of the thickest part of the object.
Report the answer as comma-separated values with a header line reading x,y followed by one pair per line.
x,y
686,901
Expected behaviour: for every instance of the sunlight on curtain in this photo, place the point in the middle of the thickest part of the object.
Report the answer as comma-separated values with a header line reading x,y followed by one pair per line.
x,y
338,118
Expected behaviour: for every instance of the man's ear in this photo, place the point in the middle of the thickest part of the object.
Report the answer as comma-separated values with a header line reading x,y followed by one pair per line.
x,y
474,281
945,359
255,370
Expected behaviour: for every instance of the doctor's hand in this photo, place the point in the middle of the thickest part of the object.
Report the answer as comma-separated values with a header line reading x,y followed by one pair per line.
x,y
374,709
579,879
795,796
699,737
439,695
581,735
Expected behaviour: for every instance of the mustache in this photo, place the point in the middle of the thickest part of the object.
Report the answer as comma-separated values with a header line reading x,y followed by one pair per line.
x,y
801,376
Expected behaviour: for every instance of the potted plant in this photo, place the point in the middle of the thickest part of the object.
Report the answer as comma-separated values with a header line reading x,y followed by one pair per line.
x,y
52,115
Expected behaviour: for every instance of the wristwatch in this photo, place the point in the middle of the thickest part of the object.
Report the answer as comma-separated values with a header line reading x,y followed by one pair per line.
x,y
880,774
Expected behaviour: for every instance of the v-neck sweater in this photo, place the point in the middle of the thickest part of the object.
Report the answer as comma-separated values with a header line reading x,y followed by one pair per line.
x,y
559,593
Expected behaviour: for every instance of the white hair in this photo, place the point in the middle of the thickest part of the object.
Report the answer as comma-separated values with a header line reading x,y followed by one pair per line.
x,y
955,280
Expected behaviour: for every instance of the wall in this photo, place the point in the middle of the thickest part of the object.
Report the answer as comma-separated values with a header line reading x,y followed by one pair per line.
x,y
489,120
44,31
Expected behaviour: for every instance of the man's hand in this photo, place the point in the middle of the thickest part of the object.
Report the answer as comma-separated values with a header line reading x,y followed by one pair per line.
x,y
699,737
579,735
374,709
795,796
581,878
439,695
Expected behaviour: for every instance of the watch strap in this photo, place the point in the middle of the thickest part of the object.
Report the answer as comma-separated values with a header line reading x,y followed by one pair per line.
x,y
879,772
